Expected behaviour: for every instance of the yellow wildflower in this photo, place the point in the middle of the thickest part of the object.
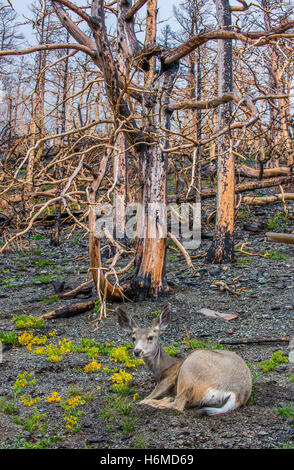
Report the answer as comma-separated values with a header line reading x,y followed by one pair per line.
x,y
53,397
28,339
76,401
93,366
65,346
71,422
121,377
28,400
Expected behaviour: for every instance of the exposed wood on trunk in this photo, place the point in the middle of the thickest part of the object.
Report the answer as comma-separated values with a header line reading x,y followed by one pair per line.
x,y
149,273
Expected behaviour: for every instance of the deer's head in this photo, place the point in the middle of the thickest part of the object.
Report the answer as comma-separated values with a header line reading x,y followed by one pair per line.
x,y
145,339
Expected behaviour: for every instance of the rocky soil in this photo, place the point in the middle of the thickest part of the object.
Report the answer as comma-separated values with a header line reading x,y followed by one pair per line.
x,y
265,310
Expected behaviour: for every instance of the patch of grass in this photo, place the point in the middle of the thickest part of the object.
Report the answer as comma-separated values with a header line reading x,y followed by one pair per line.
x,y
128,425
42,263
271,364
279,223
38,236
9,282
43,443
123,405
157,312
244,260
50,300
8,407
288,444
55,352
9,337
140,442
285,410
76,239
199,344
27,321
173,349
43,278
243,214
278,255
35,422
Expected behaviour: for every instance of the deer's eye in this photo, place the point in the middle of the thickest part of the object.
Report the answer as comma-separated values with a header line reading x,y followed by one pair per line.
x,y
150,338
134,338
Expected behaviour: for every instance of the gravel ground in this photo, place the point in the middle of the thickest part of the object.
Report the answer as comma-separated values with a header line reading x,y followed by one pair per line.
x,y
264,311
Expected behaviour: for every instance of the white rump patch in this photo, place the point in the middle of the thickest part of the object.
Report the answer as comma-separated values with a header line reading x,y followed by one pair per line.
x,y
222,401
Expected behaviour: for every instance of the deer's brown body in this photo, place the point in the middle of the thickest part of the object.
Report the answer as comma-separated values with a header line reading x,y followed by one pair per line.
x,y
216,381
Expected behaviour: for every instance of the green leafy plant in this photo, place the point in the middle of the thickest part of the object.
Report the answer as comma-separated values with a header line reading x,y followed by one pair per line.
x,y
8,407
244,260
28,321
285,410
157,312
173,349
35,422
38,236
275,255
50,300
271,364
9,337
128,425
43,278
198,344
279,223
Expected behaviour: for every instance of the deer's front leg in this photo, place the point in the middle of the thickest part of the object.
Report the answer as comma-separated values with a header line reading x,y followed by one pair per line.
x,y
161,389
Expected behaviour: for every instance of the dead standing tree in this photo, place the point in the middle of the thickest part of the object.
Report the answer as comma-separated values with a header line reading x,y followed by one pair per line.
x,y
149,273
222,247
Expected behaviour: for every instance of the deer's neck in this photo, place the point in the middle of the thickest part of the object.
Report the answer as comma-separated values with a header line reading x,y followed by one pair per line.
x,y
159,362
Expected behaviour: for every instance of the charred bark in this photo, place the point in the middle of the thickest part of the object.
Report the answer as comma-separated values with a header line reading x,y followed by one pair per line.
x,y
149,275
222,248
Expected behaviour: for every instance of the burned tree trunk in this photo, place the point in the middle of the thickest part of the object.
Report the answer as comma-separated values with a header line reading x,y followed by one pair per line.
x,y
149,275
222,248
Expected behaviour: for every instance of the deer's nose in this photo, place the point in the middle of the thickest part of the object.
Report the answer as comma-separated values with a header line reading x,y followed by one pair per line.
x,y
137,352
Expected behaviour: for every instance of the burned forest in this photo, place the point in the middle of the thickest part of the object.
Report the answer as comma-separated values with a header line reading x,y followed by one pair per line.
x,y
146,167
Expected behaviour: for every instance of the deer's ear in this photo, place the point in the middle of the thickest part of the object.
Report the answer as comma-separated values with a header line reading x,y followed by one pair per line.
x,y
125,320
162,321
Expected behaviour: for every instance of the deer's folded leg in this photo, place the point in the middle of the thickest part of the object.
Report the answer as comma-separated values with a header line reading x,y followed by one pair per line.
x,y
162,404
161,389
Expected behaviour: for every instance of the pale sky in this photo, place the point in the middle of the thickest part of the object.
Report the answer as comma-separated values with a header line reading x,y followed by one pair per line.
x,y
165,11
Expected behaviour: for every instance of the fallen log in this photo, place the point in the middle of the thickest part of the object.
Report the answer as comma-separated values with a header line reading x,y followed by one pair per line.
x,y
260,201
239,188
254,341
71,310
245,170
280,237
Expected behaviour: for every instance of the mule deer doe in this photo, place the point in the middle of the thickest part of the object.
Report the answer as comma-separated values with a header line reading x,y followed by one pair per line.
x,y
218,379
